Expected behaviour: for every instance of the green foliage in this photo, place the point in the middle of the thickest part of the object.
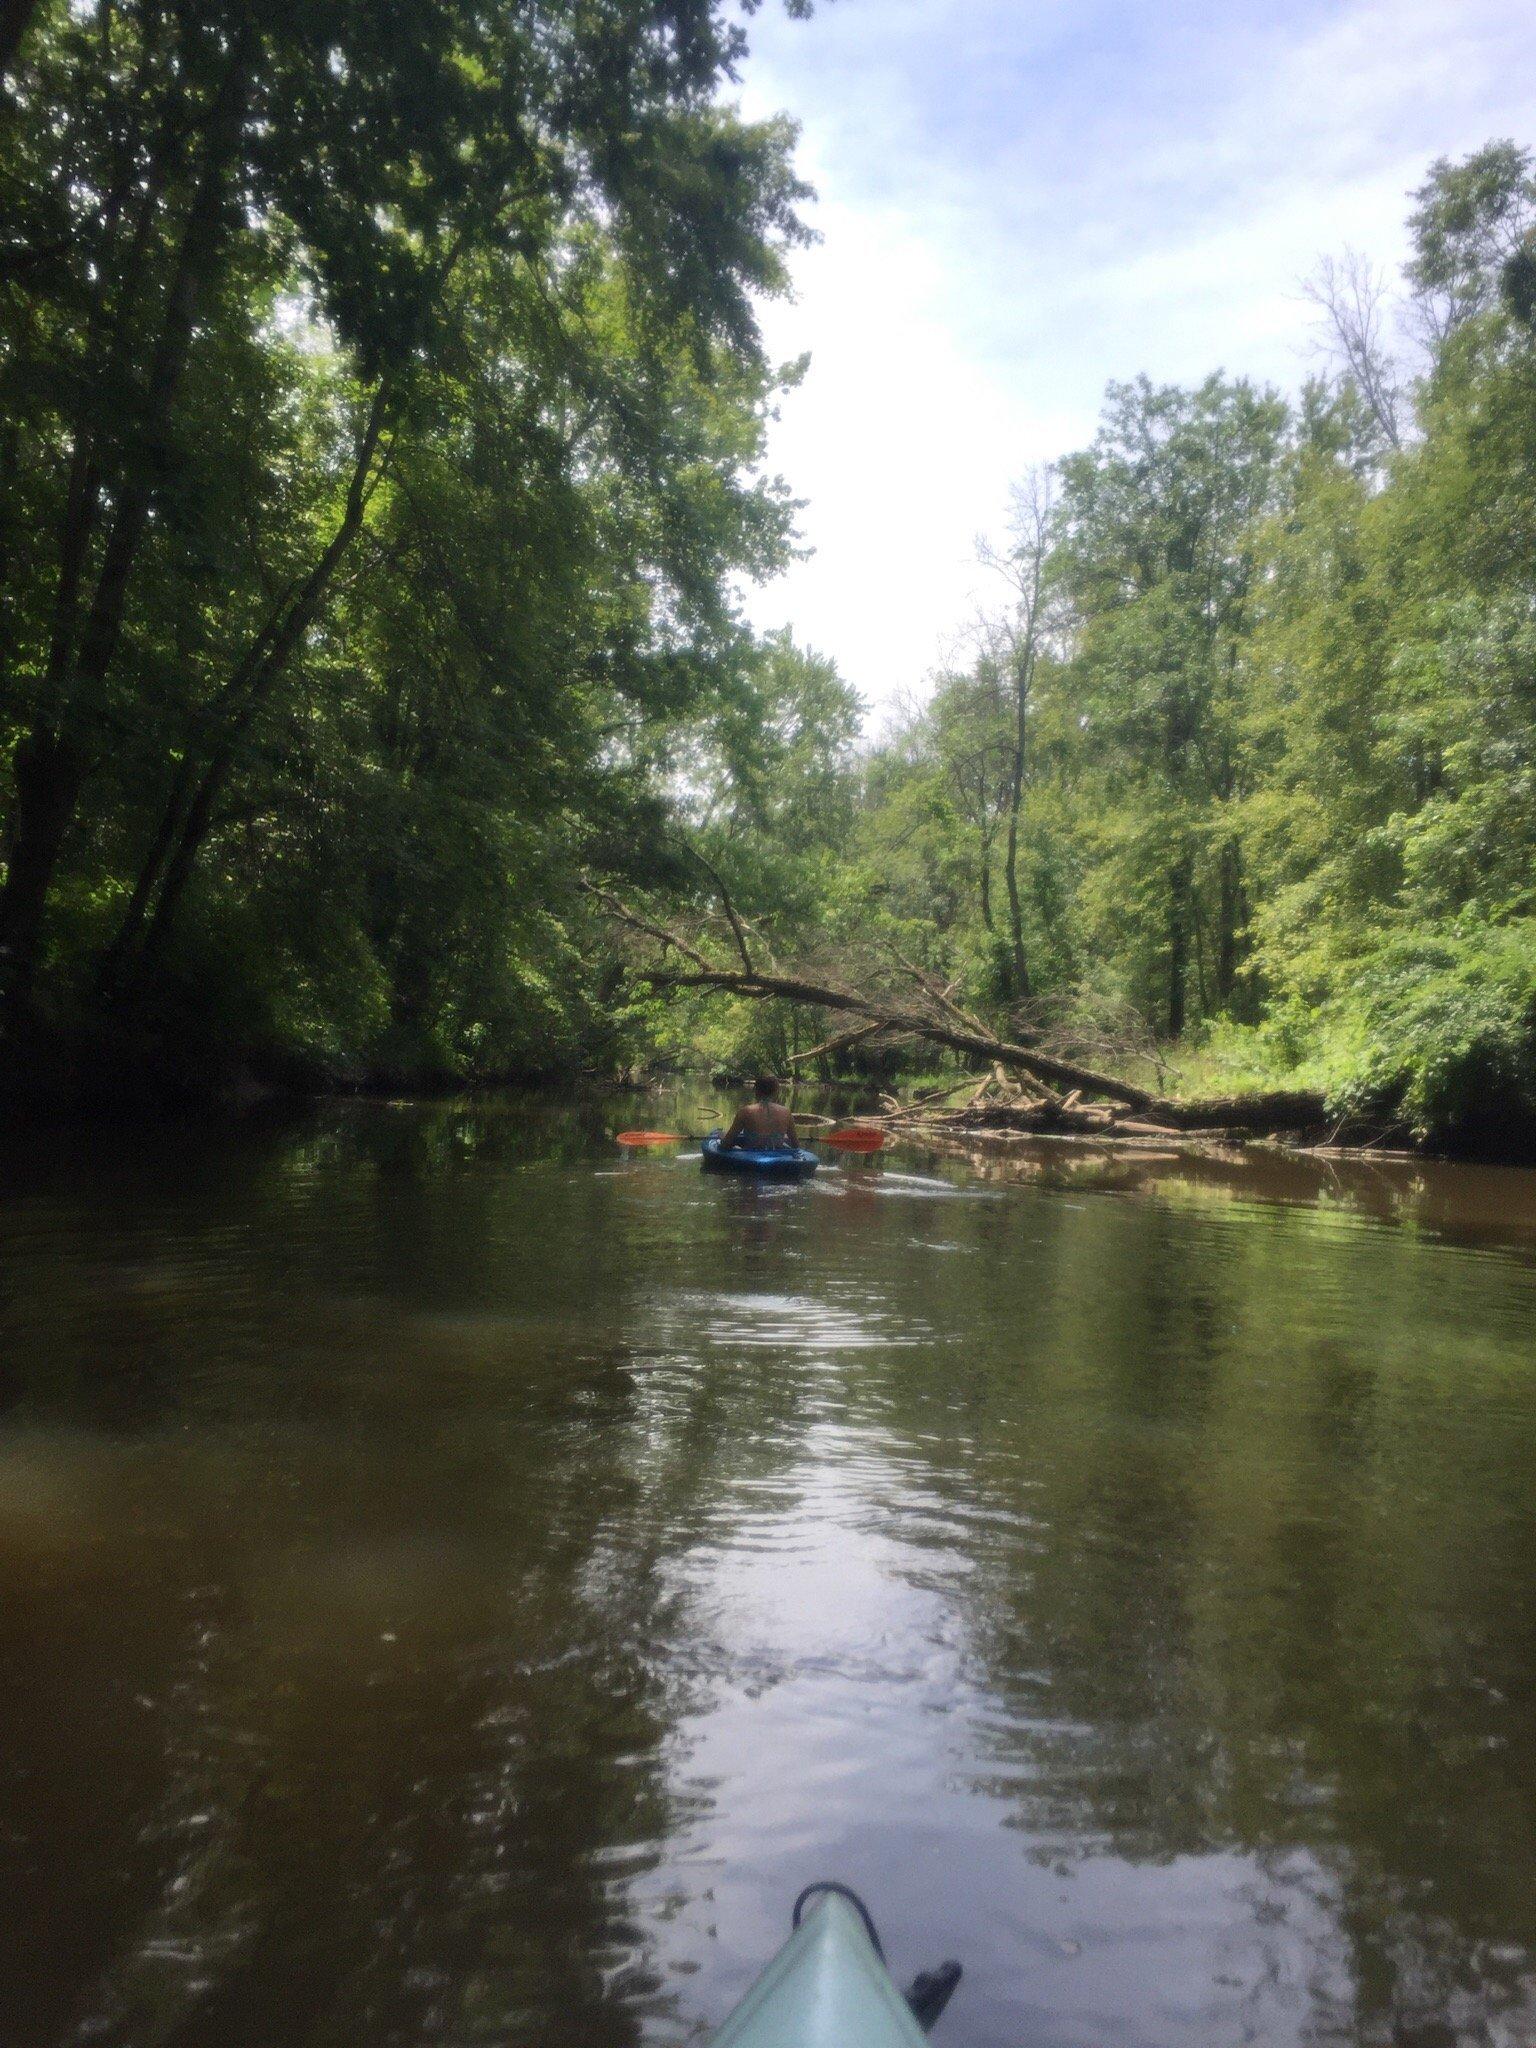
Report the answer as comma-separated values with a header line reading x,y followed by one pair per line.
x,y
383,424
1470,221
1282,784
384,416
1440,1027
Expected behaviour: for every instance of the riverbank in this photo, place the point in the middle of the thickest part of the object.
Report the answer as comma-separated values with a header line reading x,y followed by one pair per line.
x,y
108,1076
979,1133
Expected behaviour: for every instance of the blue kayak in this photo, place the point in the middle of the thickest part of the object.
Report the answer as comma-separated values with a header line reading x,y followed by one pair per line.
x,y
777,1162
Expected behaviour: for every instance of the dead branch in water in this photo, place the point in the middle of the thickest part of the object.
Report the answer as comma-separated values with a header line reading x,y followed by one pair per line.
x,y
1043,1110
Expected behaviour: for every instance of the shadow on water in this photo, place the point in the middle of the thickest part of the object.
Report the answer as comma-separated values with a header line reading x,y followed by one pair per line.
x,y
457,1583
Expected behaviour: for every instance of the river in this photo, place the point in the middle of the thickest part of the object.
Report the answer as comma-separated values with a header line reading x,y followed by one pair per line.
x,y
457,1583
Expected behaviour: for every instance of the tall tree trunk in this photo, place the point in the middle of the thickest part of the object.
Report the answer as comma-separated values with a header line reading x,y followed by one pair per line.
x,y
1228,915
1016,647
58,757
195,264
1017,960
1180,890
173,817
195,827
48,776
1202,979
191,806
106,353
15,17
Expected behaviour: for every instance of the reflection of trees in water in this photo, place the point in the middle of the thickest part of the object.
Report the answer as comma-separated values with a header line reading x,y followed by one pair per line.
x,y
1453,1200
1259,1578
399,1740
413,1655
1251,1570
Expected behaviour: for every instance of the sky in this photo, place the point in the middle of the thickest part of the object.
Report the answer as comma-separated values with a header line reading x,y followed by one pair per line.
x,y
1019,200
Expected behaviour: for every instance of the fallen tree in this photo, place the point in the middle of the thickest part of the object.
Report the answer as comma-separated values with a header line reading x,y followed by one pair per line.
x,y
1095,1101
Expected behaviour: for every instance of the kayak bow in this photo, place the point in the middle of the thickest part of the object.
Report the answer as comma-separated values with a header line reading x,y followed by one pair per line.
x,y
828,1986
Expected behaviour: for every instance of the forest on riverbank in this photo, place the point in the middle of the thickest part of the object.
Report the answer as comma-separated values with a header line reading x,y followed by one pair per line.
x,y
381,467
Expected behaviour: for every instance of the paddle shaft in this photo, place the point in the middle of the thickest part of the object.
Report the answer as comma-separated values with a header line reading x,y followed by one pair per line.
x,y
854,1139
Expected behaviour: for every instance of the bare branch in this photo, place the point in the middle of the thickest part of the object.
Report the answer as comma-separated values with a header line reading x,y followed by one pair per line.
x,y
729,907
621,913
1352,297
1291,1108
943,997
840,1041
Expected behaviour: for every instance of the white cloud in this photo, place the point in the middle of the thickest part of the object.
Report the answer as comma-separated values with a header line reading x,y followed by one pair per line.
x,y
1019,202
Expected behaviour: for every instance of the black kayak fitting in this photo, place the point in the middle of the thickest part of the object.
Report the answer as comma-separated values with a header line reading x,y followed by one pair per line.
x,y
930,1990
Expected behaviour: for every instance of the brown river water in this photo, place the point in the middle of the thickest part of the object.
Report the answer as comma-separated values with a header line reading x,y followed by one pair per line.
x,y
456,1584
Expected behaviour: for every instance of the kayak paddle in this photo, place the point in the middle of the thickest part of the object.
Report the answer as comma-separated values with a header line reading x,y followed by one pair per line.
x,y
851,1138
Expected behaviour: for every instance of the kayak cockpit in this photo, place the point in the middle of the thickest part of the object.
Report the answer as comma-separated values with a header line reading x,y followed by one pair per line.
x,y
782,1162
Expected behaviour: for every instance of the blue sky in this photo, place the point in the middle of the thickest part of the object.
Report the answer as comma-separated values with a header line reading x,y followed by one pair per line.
x,y
1021,199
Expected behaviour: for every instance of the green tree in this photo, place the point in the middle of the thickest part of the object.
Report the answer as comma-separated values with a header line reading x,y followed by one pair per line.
x,y
1016,642
1390,830
1470,221
1156,563
171,172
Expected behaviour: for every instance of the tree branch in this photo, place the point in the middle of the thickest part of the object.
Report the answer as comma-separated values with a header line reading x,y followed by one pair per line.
x,y
840,1041
1292,1109
730,909
621,913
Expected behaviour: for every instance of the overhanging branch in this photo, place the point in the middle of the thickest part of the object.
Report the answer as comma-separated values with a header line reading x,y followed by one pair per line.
x,y
1291,1109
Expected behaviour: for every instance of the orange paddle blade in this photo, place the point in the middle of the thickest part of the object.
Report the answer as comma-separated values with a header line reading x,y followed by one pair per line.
x,y
855,1138
648,1138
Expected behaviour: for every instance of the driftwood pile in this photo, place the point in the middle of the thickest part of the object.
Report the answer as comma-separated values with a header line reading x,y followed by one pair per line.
x,y
1023,1089
995,1108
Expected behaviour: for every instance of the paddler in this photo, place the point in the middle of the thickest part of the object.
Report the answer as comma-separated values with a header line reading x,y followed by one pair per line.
x,y
763,1124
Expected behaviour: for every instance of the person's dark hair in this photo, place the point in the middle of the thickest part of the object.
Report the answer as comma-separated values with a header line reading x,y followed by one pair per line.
x,y
765,1087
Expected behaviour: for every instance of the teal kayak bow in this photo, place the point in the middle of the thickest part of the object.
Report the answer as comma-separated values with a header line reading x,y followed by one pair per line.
x,y
828,1986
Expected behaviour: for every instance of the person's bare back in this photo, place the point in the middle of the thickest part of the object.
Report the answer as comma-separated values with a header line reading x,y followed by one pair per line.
x,y
764,1122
